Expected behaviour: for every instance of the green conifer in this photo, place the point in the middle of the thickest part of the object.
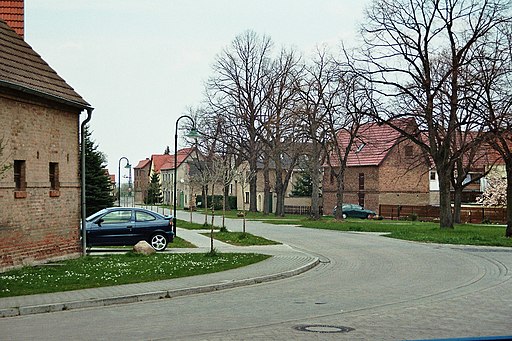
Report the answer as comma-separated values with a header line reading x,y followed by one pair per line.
x,y
98,190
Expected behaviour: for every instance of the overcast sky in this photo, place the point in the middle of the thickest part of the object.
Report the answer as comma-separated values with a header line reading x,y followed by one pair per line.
x,y
141,64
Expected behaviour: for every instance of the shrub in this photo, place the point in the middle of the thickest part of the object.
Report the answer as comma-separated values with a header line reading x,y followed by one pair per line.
x,y
217,202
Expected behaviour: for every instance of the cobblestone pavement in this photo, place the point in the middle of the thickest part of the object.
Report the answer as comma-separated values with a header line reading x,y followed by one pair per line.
x,y
376,287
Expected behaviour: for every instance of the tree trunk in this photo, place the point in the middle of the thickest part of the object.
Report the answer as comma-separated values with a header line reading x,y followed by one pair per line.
x,y
266,188
279,193
457,204
211,239
213,203
445,202
340,189
205,199
224,205
253,184
315,186
508,168
243,216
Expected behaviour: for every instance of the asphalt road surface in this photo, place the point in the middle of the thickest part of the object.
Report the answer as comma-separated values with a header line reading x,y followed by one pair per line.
x,y
367,287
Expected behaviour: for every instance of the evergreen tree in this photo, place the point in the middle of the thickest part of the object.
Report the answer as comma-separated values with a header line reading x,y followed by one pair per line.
x,y
98,191
303,187
154,190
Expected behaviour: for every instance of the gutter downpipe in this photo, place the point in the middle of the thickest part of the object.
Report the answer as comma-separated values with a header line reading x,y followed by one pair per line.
x,y
82,178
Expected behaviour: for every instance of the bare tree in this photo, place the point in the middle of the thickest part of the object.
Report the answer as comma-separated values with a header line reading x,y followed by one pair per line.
x,y
228,169
237,93
493,97
244,175
415,51
346,112
315,97
280,122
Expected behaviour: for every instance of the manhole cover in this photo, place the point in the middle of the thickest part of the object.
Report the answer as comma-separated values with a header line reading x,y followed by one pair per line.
x,y
323,328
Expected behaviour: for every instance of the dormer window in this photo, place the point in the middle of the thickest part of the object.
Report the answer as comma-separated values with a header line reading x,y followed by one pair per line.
x,y
360,147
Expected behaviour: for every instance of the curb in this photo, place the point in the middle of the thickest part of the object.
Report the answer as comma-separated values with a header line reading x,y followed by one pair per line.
x,y
151,296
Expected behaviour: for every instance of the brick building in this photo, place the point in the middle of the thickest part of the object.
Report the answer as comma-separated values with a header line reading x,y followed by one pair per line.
x,y
141,180
39,181
382,169
163,165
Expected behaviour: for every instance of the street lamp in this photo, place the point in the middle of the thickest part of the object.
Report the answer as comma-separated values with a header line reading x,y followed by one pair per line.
x,y
192,133
119,178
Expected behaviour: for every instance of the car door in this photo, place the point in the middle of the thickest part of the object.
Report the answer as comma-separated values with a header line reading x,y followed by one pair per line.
x,y
359,212
112,228
348,210
145,224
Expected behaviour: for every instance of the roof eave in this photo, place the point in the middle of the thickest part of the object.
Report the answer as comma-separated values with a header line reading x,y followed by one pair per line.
x,y
45,95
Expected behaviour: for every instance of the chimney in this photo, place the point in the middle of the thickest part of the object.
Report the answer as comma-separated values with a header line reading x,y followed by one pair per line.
x,y
13,13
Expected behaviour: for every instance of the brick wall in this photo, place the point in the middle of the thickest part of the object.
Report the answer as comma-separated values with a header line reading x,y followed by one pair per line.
x,y
41,225
404,180
398,180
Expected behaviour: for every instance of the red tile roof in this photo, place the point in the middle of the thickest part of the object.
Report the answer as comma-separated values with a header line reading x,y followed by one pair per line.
x,y
371,146
142,163
22,69
159,160
12,12
166,161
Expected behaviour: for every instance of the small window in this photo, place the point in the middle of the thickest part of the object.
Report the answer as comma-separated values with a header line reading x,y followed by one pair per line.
x,y
247,197
432,175
360,147
361,181
361,199
143,216
54,176
409,152
20,183
117,217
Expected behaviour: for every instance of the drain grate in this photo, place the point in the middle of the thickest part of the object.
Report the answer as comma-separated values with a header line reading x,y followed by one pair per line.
x,y
322,328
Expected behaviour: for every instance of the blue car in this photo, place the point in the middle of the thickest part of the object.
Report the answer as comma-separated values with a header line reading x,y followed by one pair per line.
x,y
128,226
355,211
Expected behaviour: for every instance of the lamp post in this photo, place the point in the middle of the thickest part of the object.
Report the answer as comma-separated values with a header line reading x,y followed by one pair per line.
x,y
192,133
119,178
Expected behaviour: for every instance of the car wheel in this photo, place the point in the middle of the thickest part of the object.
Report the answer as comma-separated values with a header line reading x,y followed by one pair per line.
x,y
344,216
158,242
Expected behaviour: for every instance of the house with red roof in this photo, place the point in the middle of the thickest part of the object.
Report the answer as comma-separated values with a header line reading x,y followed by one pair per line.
x,y
383,168
141,176
184,195
163,165
39,155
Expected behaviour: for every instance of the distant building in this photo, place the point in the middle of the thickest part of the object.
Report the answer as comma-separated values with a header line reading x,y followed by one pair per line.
x,y
141,180
184,187
383,168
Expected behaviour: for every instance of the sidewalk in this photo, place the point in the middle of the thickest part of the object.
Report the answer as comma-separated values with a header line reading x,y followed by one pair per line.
x,y
286,262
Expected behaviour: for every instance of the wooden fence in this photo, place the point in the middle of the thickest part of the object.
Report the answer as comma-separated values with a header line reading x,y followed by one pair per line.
x,y
303,210
469,214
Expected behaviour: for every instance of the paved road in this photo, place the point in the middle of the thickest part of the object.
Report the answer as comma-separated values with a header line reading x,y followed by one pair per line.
x,y
379,288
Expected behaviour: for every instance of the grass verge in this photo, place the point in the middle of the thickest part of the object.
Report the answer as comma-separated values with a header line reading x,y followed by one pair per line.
x,y
180,243
241,238
462,234
107,270
193,226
